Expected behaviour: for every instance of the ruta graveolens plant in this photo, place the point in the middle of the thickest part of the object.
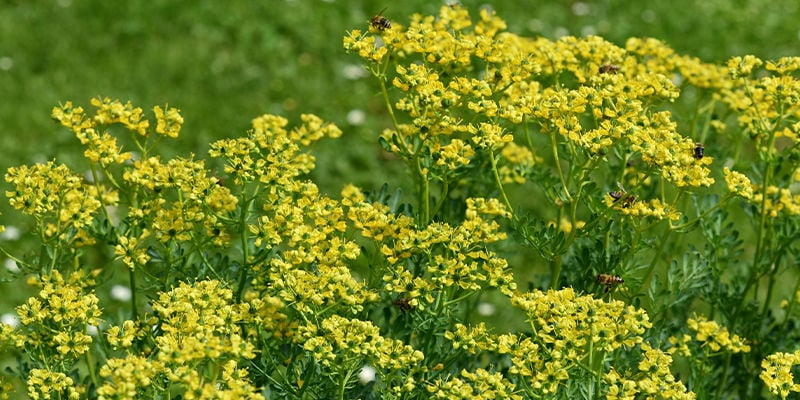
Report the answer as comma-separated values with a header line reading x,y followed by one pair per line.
x,y
649,198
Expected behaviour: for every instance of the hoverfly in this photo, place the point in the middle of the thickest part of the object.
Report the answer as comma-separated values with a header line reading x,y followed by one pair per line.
x,y
699,151
608,69
609,280
622,195
379,22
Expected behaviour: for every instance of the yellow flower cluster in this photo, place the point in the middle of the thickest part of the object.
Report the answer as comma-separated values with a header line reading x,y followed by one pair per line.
x,y
114,112
651,380
169,122
452,257
127,377
200,321
779,200
738,183
776,372
310,273
101,147
716,337
270,154
518,163
593,98
570,330
766,105
58,317
472,340
352,342
62,204
123,336
199,202
198,345
568,321
481,385
44,384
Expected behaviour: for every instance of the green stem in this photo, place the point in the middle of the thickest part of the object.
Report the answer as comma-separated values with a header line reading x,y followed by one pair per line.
x,y
243,218
555,268
385,92
442,196
496,174
343,385
557,161
423,191
132,284
90,367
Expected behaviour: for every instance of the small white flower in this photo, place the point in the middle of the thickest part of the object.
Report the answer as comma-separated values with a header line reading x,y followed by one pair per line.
x,y
580,8
356,117
11,266
92,330
121,293
6,63
486,309
11,233
366,375
10,320
354,71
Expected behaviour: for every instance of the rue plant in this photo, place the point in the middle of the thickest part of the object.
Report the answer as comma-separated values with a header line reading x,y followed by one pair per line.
x,y
648,201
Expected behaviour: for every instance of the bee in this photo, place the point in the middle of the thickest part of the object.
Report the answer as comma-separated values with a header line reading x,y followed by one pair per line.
x,y
379,22
622,195
699,151
404,304
608,69
609,280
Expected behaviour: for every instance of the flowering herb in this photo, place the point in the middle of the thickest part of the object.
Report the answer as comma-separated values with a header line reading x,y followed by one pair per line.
x,y
543,172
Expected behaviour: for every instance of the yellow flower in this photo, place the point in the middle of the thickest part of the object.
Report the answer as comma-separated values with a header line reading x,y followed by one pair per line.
x,y
168,123
43,384
715,337
743,66
776,372
738,183
127,377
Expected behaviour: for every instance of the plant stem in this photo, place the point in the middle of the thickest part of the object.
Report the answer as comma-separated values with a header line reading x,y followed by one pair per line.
x,y
243,217
132,284
557,161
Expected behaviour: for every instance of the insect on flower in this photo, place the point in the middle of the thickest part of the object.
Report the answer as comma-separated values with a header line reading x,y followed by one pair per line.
x,y
380,22
699,151
609,280
404,304
608,69
622,195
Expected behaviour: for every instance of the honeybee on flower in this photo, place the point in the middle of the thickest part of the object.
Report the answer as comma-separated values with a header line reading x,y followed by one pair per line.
x,y
379,22
622,195
608,69
609,280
